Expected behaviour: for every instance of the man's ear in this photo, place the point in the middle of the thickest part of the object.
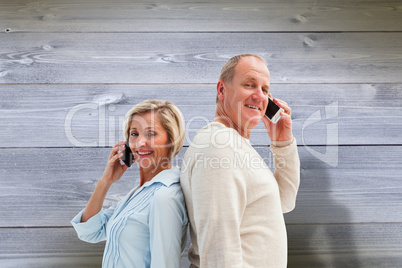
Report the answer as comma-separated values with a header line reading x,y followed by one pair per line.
x,y
220,88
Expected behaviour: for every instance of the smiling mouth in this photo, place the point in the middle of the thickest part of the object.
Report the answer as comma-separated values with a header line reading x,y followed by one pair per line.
x,y
144,153
253,107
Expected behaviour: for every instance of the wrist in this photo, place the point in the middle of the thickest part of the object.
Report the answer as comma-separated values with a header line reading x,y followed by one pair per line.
x,y
280,143
104,183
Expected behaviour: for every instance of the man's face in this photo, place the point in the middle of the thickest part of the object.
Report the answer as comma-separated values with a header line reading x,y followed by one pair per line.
x,y
246,97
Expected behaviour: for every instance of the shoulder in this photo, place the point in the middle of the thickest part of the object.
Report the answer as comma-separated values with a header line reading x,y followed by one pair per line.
x,y
168,192
215,139
169,201
215,133
168,196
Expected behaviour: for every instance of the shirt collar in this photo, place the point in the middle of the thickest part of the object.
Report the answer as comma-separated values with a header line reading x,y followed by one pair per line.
x,y
166,177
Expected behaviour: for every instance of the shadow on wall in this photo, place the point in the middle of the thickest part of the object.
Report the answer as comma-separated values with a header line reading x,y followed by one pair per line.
x,y
319,232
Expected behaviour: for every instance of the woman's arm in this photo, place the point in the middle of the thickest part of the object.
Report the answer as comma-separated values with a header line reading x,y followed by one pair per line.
x,y
113,172
95,203
93,230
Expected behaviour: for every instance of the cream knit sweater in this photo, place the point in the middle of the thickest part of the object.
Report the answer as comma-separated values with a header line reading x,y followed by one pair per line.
x,y
234,202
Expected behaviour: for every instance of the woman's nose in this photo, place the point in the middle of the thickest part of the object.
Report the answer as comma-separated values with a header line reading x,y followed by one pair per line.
x,y
141,141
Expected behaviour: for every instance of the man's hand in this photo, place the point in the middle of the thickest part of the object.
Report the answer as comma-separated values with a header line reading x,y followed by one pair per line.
x,y
282,130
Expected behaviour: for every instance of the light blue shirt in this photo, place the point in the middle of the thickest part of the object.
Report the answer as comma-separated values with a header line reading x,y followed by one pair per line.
x,y
145,229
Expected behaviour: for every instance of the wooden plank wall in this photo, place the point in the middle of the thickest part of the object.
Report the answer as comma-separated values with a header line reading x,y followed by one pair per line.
x,y
70,69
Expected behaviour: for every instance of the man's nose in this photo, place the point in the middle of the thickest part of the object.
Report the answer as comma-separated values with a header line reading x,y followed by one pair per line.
x,y
259,95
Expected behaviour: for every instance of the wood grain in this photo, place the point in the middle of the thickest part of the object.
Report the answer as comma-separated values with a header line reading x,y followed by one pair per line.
x,y
197,57
351,246
92,115
360,245
37,260
47,187
207,15
337,63
51,247
47,247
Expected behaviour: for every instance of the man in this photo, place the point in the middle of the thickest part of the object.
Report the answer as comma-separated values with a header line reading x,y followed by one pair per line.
x,y
234,202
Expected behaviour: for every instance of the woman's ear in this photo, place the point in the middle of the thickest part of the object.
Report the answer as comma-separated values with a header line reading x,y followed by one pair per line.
x,y
220,88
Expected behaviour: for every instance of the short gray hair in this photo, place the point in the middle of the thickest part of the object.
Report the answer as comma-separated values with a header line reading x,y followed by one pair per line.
x,y
228,70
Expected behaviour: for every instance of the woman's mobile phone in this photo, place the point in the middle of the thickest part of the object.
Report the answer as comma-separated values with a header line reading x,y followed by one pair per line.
x,y
273,112
128,156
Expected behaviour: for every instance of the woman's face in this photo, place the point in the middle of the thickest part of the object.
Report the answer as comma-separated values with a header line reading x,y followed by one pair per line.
x,y
149,142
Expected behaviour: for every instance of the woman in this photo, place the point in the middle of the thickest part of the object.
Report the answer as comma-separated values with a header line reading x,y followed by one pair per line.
x,y
147,228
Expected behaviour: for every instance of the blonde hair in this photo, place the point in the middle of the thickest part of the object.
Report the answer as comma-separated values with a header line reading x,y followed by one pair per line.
x,y
170,117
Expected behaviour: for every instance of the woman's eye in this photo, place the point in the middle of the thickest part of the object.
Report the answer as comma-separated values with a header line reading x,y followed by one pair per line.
x,y
151,134
133,134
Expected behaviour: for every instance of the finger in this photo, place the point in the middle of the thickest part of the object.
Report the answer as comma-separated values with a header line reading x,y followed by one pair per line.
x,y
119,144
286,117
124,167
115,158
269,126
116,148
284,106
287,110
280,102
113,152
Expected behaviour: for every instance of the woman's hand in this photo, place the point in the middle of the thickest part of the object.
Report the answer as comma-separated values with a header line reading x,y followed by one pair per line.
x,y
282,130
114,170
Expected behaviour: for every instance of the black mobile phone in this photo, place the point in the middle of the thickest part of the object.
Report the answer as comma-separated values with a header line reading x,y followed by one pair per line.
x,y
273,112
128,156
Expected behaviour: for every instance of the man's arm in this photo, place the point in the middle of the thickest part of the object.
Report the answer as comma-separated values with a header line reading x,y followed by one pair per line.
x,y
286,157
287,172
